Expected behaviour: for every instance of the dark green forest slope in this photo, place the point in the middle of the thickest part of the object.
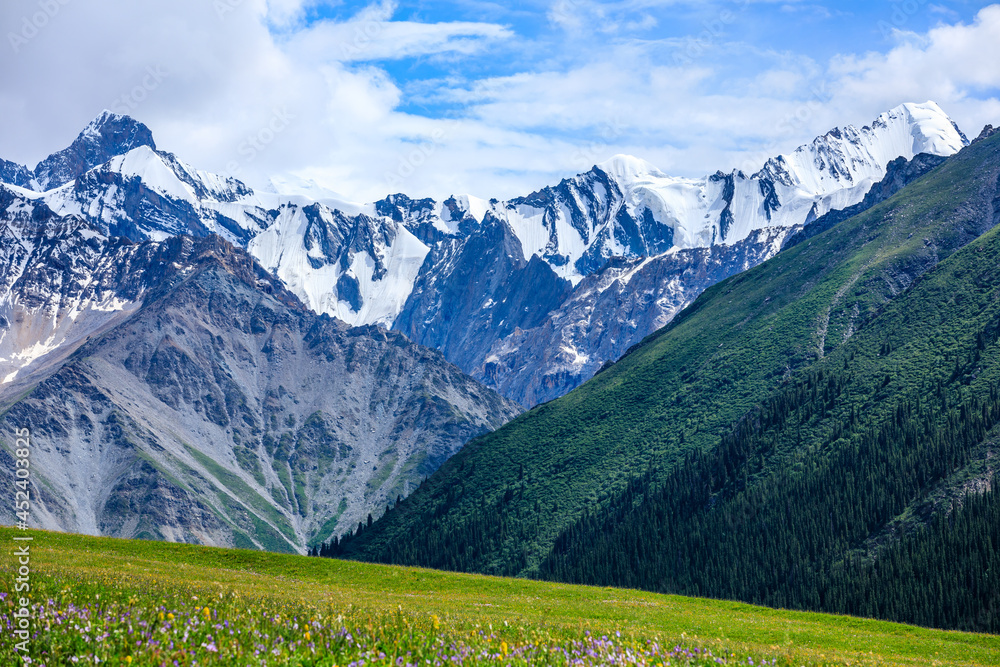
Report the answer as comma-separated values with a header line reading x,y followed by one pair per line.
x,y
798,505
818,407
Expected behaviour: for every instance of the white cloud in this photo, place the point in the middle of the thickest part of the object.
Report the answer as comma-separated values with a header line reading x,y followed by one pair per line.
x,y
955,65
223,76
373,35
693,120
283,13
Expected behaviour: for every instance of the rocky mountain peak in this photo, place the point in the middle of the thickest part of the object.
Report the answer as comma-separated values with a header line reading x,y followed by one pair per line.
x,y
987,132
107,136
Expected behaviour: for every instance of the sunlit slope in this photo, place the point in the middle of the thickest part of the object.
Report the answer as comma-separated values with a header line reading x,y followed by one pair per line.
x,y
410,609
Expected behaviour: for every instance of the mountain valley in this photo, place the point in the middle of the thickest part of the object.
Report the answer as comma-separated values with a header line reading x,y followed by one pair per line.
x,y
817,432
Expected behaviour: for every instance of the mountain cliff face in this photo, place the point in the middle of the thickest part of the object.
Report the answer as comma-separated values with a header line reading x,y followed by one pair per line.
x,y
611,311
187,395
477,291
60,282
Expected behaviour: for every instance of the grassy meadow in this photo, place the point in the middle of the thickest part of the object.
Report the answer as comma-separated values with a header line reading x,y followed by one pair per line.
x,y
119,602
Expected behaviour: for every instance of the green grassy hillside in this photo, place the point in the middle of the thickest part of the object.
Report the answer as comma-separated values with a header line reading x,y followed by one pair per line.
x,y
151,603
853,295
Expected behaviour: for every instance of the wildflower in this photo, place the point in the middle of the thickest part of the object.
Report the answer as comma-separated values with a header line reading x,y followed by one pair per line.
x,y
170,617
307,636
128,660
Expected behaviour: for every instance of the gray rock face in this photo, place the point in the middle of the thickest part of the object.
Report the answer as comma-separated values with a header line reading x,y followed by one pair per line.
x,y
609,312
214,407
988,131
473,292
16,174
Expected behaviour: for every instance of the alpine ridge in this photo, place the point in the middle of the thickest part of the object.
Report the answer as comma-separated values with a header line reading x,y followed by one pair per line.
x,y
531,295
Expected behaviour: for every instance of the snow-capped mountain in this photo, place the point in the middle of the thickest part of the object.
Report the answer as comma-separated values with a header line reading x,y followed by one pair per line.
x,y
370,261
625,207
569,325
113,176
191,389
613,309
471,277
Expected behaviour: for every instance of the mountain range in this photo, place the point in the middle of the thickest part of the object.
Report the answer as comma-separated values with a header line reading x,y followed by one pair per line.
x,y
532,295
180,392
209,363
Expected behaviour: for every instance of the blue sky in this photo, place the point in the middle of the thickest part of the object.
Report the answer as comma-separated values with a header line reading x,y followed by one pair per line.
x,y
432,98
765,30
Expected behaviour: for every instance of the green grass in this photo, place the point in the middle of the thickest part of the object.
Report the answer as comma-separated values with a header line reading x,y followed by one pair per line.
x,y
395,610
